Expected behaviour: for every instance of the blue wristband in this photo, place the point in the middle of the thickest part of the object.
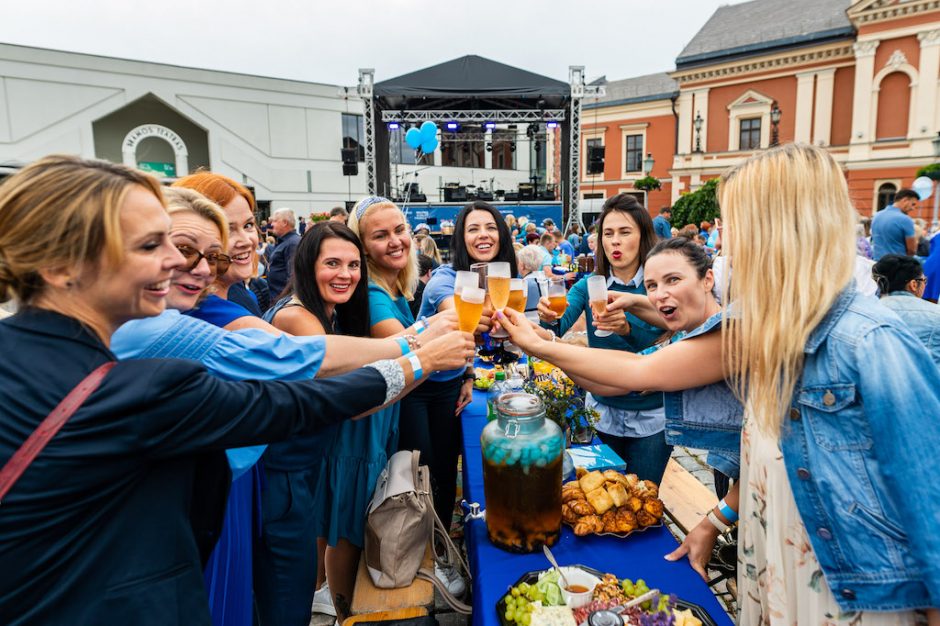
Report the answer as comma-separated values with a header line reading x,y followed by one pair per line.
x,y
422,325
403,344
728,512
415,365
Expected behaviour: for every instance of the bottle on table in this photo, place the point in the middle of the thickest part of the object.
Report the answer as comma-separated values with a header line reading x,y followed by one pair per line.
x,y
499,387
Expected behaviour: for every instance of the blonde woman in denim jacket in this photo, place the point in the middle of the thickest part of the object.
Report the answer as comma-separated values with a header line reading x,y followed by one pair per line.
x,y
839,462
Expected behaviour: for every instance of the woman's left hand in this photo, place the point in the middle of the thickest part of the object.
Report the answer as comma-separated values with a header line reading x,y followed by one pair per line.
x,y
698,545
466,395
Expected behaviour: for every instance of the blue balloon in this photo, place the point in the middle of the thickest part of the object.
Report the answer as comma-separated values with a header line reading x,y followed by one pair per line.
x,y
428,147
413,138
428,131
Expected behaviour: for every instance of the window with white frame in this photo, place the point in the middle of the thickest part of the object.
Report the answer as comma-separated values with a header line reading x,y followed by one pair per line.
x,y
633,157
749,134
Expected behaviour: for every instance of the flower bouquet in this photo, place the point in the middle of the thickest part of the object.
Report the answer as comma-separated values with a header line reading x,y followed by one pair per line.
x,y
564,402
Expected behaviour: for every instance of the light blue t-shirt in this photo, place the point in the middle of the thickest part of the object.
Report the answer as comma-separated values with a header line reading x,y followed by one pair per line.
x,y
383,307
889,229
249,354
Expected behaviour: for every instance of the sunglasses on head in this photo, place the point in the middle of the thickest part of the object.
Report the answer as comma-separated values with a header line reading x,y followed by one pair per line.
x,y
218,262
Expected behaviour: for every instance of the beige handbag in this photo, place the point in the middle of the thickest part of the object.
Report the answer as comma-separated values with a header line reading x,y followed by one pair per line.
x,y
400,524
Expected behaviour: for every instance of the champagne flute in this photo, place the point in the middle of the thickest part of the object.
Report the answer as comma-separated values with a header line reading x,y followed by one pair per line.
x,y
498,277
597,296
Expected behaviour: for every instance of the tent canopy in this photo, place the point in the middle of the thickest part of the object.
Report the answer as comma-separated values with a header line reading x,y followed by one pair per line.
x,y
471,82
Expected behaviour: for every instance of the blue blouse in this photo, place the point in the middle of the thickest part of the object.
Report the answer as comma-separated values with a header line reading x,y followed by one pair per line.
x,y
218,311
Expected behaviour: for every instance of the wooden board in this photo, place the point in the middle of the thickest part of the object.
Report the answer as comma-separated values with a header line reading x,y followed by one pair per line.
x,y
367,598
686,499
387,616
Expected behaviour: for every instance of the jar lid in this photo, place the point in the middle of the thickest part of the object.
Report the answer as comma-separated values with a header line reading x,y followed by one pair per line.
x,y
604,618
519,405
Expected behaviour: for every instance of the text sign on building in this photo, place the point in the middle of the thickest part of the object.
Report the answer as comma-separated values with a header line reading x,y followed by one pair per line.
x,y
154,130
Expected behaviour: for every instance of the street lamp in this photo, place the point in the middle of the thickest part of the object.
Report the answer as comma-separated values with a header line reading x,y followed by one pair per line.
x,y
775,124
936,191
698,130
648,163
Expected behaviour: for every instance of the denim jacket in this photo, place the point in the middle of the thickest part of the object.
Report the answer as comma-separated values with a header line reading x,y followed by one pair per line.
x,y
707,417
921,316
860,445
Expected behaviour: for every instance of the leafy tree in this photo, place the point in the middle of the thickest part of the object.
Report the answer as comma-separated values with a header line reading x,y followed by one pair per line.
x,y
931,171
696,207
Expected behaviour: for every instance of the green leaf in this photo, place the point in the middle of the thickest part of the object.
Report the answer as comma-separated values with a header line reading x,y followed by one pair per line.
x,y
696,207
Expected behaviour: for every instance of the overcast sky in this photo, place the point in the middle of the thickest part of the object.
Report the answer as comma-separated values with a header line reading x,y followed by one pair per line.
x,y
328,40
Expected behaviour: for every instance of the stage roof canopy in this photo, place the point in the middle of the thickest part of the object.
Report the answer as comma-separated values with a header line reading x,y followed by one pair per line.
x,y
471,82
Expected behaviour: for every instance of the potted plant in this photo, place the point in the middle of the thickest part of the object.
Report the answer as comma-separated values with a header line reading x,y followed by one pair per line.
x,y
648,183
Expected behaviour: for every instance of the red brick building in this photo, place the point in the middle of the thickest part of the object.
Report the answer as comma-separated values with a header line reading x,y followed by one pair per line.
x,y
860,78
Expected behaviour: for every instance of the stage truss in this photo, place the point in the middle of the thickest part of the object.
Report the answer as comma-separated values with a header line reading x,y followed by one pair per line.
x,y
571,115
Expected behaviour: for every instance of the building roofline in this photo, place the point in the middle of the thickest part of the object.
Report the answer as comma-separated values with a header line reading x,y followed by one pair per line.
x,y
730,54
636,100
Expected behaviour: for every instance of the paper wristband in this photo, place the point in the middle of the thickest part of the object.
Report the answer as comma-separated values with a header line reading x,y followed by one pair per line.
x,y
415,365
403,344
728,512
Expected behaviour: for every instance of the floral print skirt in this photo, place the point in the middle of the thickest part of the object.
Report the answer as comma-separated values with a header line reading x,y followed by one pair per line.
x,y
779,580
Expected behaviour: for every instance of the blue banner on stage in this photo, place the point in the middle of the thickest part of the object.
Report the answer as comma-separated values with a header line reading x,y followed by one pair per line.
x,y
433,213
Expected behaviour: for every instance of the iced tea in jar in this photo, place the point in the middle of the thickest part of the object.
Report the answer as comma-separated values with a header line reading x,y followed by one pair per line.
x,y
522,469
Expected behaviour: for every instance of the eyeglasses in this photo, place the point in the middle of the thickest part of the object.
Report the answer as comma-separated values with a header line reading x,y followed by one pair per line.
x,y
922,280
218,262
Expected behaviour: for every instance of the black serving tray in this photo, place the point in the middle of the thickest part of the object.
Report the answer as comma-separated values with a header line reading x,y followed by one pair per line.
x,y
532,577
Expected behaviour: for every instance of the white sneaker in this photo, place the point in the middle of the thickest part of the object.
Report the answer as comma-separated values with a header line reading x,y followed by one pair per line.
x,y
323,601
451,578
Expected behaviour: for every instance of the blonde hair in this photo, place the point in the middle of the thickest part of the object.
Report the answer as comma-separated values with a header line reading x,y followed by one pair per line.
x,y
428,247
408,277
62,211
179,200
788,229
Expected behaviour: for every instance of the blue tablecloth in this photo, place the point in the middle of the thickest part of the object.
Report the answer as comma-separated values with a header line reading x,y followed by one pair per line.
x,y
640,556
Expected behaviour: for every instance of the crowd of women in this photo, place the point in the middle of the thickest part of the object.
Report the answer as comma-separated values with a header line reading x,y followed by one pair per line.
x,y
815,403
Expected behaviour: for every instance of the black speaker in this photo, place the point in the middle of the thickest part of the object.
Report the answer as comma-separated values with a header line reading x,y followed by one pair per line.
x,y
595,164
455,194
350,157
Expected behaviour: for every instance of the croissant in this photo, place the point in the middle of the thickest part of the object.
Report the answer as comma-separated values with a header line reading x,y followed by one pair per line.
x,y
634,503
626,521
568,515
645,519
587,525
609,520
632,480
571,484
581,507
567,495
653,506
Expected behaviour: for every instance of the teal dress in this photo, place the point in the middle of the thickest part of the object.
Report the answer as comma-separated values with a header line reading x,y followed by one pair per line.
x,y
340,465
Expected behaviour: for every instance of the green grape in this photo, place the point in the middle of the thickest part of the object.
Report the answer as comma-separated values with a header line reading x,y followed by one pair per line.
x,y
515,592
646,605
641,583
539,596
510,615
526,619
508,599
628,588
523,587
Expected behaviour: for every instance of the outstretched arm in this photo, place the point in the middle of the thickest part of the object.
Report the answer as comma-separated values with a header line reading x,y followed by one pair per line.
x,y
682,365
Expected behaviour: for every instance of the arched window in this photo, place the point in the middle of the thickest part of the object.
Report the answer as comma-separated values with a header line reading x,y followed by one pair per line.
x,y
886,195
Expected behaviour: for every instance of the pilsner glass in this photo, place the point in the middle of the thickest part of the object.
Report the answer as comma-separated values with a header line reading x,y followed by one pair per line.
x,y
557,296
517,294
597,296
497,286
469,308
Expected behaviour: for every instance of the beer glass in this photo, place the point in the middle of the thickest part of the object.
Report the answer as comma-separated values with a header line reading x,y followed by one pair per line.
x,y
597,296
518,294
557,295
498,277
469,306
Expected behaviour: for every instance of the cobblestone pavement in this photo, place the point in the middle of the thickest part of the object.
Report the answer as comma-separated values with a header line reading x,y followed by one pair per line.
x,y
691,460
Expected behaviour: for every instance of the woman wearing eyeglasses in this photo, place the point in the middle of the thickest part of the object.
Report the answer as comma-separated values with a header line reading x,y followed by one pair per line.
x,y
902,282
199,231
